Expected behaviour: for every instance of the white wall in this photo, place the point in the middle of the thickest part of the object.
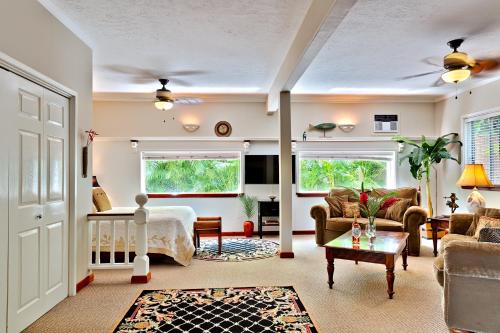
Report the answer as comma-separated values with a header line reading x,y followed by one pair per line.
x,y
448,115
118,167
32,36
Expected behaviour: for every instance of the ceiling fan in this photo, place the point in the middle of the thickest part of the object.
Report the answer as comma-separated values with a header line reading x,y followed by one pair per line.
x,y
459,66
165,99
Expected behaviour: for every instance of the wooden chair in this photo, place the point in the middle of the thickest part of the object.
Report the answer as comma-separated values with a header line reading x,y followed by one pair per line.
x,y
207,225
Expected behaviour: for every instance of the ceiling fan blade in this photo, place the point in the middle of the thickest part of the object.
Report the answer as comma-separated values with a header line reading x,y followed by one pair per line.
x,y
186,100
184,73
181,82
433,61
419,75
438,83
481,65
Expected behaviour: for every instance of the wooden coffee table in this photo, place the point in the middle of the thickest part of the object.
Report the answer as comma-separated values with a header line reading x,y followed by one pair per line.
x,y
387,247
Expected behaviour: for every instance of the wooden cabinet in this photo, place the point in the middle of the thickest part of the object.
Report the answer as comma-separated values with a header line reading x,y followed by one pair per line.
x,y
268,214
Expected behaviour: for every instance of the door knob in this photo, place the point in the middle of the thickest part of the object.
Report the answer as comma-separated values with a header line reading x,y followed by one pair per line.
x,y
38,217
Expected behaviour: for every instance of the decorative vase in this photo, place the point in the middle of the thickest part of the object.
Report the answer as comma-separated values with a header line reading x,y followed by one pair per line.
x,y
371,229
248,228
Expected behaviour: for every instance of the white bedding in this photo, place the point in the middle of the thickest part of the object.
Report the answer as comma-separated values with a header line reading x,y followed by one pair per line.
x,y
170,230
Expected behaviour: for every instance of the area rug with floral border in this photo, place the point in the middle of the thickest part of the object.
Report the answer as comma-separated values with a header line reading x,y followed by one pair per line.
x,y
214,310
236,249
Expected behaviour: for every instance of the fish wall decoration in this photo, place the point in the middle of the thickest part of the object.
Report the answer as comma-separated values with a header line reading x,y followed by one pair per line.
x,y
323,127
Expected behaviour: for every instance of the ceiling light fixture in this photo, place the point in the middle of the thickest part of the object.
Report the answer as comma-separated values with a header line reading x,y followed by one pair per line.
x,y
456,75
164,100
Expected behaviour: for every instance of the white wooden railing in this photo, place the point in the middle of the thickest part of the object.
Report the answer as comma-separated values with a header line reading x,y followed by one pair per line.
x,y
102,229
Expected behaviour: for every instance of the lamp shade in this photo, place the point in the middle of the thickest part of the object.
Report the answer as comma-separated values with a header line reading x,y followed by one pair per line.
x,y
94,182
474,175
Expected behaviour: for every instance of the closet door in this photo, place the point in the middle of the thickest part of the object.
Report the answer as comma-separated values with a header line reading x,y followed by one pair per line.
x,y
38,206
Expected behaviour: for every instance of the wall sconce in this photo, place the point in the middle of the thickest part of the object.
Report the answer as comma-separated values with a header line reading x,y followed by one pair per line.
x,y
294,146
134,144
346,128
246,146
190,127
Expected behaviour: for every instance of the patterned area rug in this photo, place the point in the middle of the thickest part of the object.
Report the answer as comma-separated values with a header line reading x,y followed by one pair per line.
x,y
253,309
237,249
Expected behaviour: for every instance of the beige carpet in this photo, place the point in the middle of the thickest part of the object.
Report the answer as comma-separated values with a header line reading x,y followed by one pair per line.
x,y
357,303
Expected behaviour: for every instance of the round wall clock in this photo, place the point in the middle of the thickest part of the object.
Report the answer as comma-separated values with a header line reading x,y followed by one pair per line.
x,y
223,128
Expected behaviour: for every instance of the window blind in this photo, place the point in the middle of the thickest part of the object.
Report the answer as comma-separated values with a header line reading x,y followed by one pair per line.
x,y
482,143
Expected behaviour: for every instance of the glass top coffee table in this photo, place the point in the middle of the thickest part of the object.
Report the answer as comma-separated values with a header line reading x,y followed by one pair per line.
x,y
385,250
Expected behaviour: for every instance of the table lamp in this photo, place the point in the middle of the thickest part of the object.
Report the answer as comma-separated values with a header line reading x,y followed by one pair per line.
x,y
474,175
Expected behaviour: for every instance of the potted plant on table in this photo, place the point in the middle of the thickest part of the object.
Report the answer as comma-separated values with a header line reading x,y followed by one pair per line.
x,y
249,205
425,155
369,205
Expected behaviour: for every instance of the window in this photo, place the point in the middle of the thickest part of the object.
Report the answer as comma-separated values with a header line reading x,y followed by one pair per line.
x,y
482,143
321,171
191,173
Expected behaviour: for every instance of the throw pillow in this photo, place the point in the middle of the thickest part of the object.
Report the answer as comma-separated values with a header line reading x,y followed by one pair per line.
x,y
489,235
402,192
335,204
397,211
100,199
350,209
490,212
486,222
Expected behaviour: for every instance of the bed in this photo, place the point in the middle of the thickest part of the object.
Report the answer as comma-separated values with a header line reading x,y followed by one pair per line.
x,y
170,230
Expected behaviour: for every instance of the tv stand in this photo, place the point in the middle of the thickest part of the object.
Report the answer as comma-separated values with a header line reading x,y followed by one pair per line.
x,y
268,214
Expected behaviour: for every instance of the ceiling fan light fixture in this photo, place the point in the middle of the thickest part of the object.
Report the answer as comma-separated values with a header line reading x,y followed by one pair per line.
x,y
164,104
164,100
456,75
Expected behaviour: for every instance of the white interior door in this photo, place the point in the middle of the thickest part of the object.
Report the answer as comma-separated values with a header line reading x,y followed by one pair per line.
x,y
5,78
38,205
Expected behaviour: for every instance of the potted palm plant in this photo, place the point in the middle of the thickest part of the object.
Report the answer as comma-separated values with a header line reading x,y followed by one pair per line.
x,y
425,155
249,205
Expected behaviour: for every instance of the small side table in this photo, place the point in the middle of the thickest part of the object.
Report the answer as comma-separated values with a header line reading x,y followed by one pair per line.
x,y
438,222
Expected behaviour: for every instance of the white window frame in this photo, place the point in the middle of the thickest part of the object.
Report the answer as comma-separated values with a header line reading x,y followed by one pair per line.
x,y
489,113
194,155
386,155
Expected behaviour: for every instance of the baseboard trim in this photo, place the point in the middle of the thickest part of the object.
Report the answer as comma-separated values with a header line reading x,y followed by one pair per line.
x,y
287,255
85,282
140,278
304,232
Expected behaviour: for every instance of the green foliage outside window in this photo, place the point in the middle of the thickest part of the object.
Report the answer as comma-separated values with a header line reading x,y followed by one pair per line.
x,y
320,175
192,176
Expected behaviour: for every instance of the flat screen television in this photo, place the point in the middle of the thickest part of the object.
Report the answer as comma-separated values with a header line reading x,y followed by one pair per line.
x,y
264,169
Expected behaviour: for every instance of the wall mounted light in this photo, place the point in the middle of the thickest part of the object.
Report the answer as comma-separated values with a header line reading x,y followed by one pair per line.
x,y
346,128
401,147
190,127
246,146
294,146
134,144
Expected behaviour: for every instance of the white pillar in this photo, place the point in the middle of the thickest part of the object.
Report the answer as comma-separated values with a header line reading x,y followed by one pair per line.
x,y
285,142
141,272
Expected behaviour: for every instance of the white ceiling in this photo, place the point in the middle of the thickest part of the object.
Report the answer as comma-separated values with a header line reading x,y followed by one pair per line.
x,y
239,45
382,40
236,46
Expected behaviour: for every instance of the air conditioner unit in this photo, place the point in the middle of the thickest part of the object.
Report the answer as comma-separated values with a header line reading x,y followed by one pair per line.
x,y
386,123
